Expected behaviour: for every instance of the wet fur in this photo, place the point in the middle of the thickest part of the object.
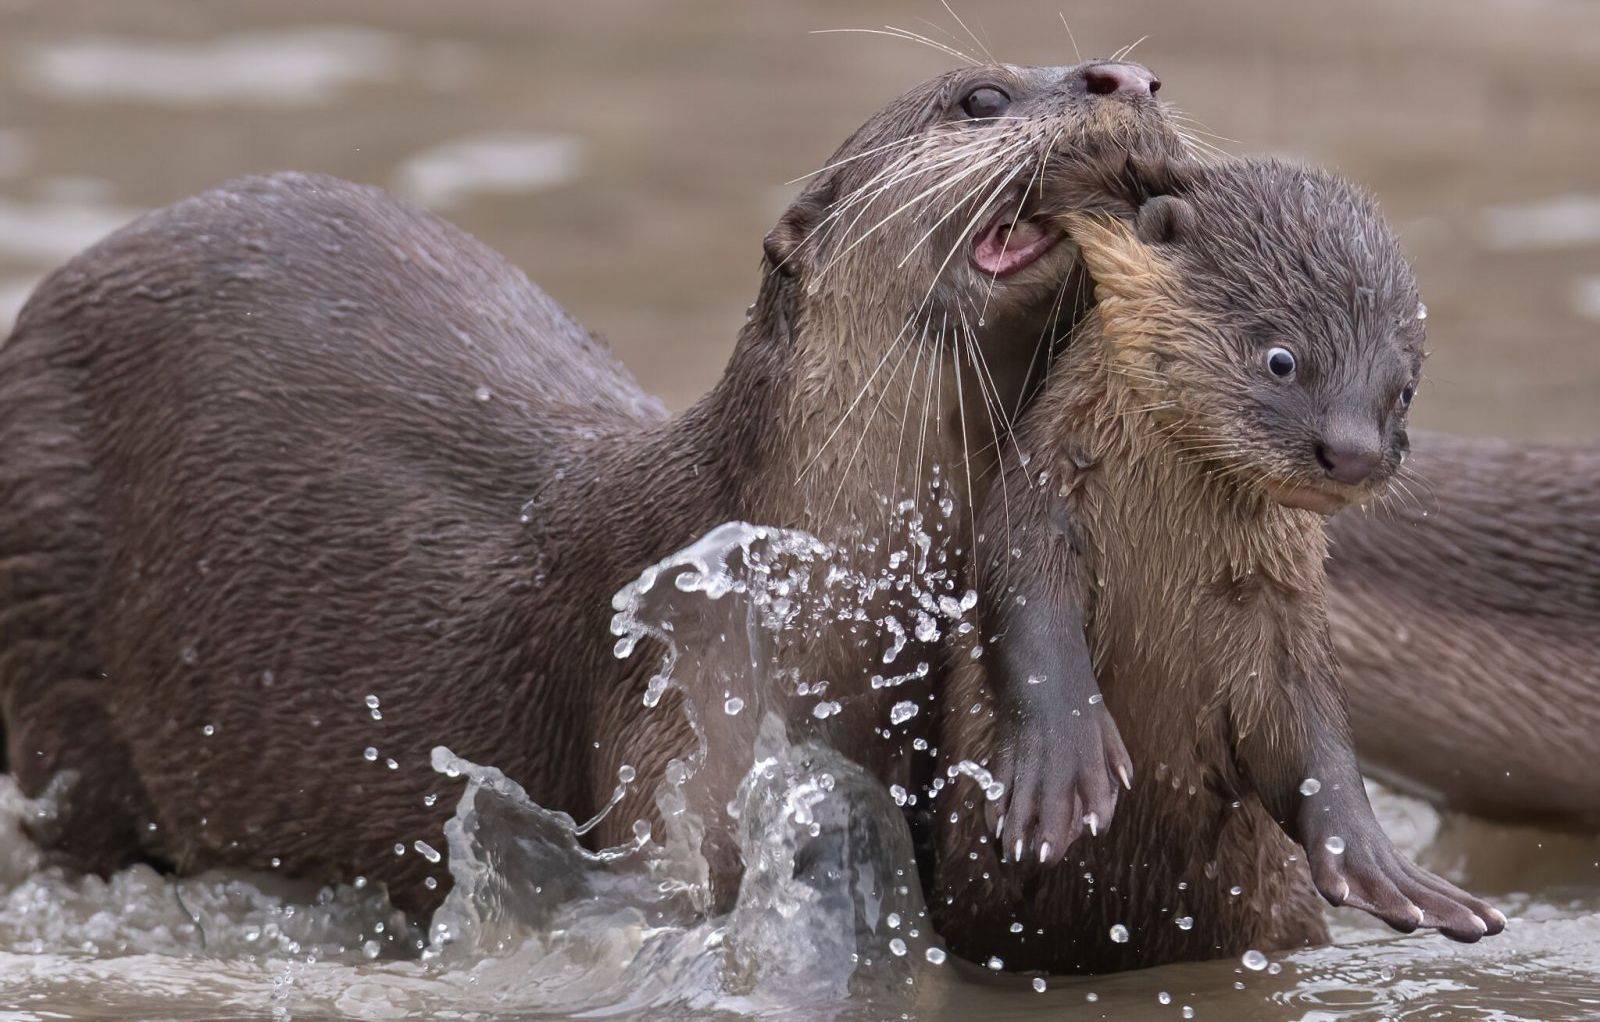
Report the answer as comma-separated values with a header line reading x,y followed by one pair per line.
x,y
1204,602
1467,619
249,480
1161,542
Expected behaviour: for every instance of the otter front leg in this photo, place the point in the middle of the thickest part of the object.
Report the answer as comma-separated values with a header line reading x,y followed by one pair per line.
x,y
1057,749
1300,761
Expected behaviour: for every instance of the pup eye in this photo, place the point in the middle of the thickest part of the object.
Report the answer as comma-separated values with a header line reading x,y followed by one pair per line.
x,y
985,101
1406,395
1280,362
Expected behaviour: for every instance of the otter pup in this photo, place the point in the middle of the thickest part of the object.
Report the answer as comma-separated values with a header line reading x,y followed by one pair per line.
x,y
1247,369
300,482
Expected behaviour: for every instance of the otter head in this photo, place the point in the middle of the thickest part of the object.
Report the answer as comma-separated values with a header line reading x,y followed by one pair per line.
x,y
1264,314
923,268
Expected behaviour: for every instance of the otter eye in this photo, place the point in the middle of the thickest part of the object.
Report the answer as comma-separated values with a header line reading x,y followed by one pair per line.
x,y
985,101
1280,362
1406,394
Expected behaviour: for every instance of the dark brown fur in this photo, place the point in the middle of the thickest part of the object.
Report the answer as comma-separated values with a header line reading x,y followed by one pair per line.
x,y
292,443
1466,614
1154,508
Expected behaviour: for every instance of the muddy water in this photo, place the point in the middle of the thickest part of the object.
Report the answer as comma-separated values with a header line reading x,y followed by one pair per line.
x,y
612,142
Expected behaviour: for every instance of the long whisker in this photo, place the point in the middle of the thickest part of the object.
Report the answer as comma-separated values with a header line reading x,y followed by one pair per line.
x,y
916,137
926,194
907,36
956,207
990,405
966,453
866,427
1077,54
1122,54
881,182
860,394
905,413
979,42
1038,177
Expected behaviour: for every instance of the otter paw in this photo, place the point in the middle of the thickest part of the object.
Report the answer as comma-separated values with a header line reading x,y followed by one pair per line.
x,y
1061,775
1366,872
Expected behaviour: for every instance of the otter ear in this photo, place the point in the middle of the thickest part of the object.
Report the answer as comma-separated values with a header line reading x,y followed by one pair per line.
x,y
1164,220
784,244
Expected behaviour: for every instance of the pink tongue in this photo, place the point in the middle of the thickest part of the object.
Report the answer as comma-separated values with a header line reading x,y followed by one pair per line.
x,y
1004,249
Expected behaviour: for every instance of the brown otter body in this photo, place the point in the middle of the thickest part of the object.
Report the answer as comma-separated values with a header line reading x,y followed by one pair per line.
x,y
1253,342
1467,621
292,444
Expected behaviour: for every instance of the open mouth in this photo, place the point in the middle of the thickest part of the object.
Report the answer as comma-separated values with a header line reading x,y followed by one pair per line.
x,y
1010,242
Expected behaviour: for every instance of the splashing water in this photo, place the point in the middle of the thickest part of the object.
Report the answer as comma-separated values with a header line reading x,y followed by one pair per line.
x,y
828,922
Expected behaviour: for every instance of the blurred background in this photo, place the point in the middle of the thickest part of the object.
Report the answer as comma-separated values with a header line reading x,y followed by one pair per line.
x,y
630,155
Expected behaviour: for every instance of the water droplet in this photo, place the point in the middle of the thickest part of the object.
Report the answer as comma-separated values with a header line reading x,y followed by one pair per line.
x,y
1254,960
483,393
426,850
1187,1012
902,712
732,706
209,730
1310,786
1096,699
935,956
1039,985
898,946
1185,922
626,774
369,754
1164,997
1016,927
370,949
372,702
1235,890
1422,310
1334,844
1119,934
996,963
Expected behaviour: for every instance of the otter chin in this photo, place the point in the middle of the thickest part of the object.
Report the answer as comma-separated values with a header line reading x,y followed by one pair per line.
x,y
1307,497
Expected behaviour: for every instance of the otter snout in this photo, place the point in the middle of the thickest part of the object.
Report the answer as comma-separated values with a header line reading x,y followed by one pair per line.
x,y
1350,456
1130,80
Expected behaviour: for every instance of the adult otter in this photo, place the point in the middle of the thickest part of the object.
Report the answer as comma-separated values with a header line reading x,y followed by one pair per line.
x,y
1467,619
290,457
1249,363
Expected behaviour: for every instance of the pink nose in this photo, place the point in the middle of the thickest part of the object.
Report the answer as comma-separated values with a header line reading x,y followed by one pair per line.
x,y
1128,80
